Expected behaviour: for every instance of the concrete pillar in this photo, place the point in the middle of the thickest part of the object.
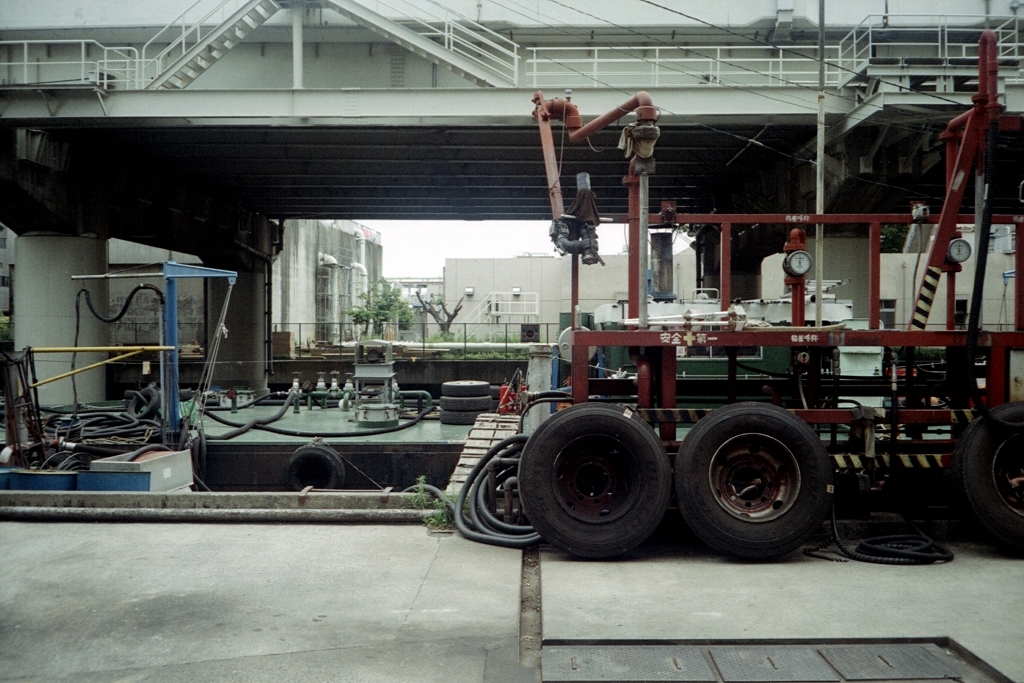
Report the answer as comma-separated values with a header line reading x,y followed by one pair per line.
x,y
240,361
538,378
44,310
297,18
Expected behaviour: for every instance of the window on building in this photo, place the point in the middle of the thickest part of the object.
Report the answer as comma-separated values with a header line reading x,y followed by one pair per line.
x,y
4,281
3,242
887,313
960,314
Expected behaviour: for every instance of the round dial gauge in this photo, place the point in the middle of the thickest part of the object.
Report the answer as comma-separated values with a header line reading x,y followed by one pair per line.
x,y
797,263
959,250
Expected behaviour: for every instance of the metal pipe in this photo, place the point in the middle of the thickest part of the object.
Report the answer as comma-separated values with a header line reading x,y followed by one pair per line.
x,y
96,349
81,370
819,232
640,101
643,247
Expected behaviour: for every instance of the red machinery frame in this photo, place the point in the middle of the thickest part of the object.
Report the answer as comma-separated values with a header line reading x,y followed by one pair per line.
x,y
656,381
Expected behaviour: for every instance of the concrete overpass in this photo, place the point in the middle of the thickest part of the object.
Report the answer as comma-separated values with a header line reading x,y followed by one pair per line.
x,y
204,128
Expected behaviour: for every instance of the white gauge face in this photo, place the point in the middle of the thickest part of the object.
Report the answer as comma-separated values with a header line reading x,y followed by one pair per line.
x,y
959,250
797,263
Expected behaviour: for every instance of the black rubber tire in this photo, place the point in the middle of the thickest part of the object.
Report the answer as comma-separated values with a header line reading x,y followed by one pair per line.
x,y
316,465
466,387
983,448
800,503
495,391
458,417
466,403
594,445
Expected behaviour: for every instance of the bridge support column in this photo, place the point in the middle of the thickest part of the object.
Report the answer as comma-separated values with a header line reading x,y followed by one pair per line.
x,y
241,359
44,310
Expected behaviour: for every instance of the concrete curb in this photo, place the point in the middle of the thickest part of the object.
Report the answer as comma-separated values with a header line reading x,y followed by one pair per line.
x,y
312,500
314,516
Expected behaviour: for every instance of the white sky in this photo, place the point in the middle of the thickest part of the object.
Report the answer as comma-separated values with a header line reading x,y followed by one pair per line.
x,y
419,248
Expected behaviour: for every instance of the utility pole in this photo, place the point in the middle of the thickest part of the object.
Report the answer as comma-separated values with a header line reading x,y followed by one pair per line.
x,y
819,232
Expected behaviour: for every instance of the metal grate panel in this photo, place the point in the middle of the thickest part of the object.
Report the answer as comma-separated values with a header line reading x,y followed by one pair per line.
x,y
626,663
885,662
769,665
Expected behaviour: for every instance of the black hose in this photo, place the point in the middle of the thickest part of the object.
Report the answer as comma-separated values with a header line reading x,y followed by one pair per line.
x,y
560,399
243,428
264,425
145,449
124,307
902,549
271,398
977,293
481,525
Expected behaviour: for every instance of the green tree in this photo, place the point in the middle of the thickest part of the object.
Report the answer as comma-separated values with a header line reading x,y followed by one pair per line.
x,y
893,237
382,304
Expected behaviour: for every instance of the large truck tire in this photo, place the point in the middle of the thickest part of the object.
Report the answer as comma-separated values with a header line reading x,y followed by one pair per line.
x,y
753,481
988,463
458,417
466,387
594,480
466,403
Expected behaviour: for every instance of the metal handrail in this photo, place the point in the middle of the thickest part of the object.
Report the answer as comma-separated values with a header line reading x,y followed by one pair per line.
x,y
661,66
503,57
862,42
120,62
183,39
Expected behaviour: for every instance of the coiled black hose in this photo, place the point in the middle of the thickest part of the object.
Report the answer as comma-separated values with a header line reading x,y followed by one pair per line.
x,y
482,526
901,549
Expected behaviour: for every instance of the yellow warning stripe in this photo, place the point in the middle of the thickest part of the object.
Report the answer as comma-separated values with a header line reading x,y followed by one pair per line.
x,y
923,308
850,461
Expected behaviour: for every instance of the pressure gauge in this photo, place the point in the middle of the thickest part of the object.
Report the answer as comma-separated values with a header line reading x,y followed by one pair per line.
x,y
797,263
959,250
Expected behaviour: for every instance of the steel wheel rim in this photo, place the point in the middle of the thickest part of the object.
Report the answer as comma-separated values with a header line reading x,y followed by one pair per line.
x,y
1008,473
596,479
754,477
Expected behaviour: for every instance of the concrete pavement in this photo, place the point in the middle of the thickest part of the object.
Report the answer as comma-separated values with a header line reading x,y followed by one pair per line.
x,y
181,602
674,588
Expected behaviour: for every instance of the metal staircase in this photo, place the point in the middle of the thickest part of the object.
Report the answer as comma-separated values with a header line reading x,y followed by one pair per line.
x,y
443,37
190,55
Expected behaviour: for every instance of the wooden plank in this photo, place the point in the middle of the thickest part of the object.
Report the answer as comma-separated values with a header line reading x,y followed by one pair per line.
x,y
488,430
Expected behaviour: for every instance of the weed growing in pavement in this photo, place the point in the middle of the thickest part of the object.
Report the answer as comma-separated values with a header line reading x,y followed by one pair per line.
x,y
422,499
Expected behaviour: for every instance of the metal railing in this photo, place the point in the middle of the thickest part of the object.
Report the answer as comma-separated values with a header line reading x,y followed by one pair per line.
x,y
461,35
68,62
184,32
423,340
633,67
944,36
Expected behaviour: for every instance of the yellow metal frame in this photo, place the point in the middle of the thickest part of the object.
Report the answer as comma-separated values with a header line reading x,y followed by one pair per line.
x,y
132,351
